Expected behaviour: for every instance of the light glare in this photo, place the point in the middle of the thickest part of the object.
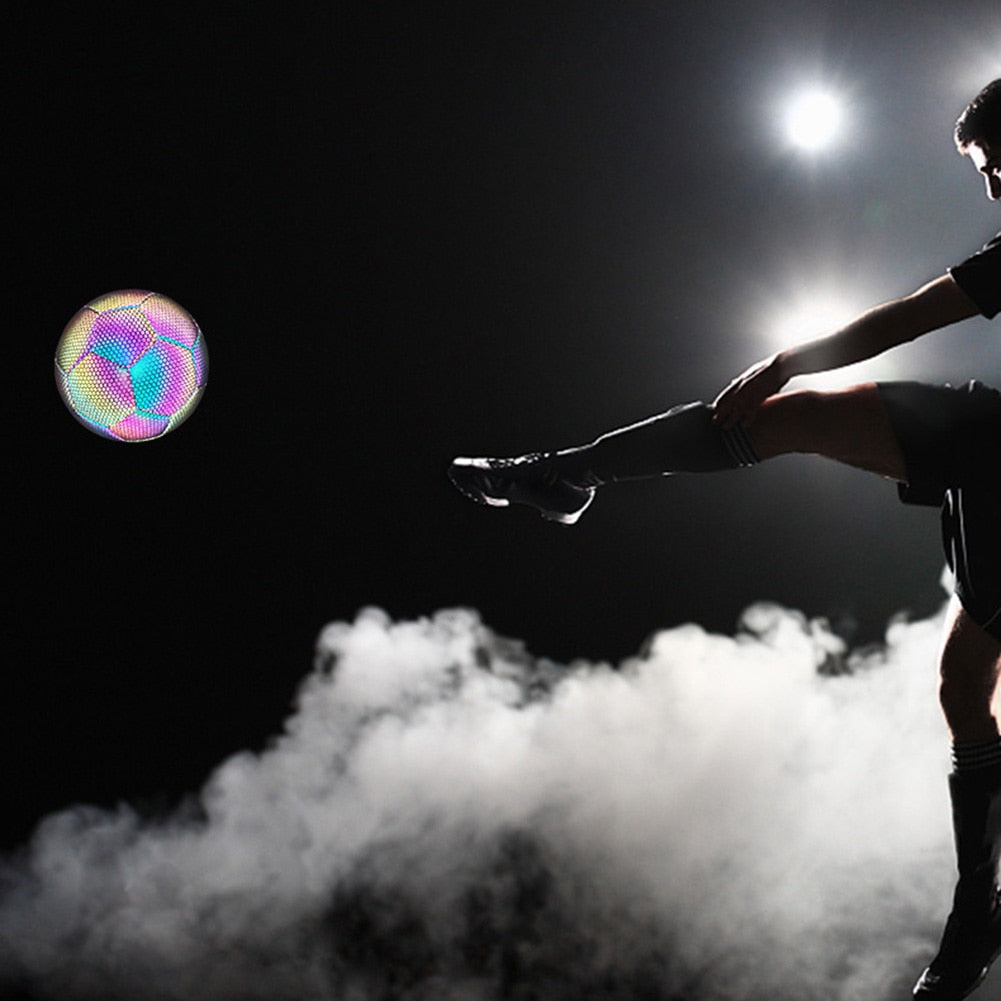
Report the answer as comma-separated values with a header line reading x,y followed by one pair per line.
x,y
810,310
813,120
810,316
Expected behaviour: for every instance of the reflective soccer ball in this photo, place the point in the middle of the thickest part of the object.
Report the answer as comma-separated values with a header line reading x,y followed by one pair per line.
x,y
131,365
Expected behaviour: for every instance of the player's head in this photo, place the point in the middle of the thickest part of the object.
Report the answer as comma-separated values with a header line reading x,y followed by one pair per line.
x,y
980,121
978,135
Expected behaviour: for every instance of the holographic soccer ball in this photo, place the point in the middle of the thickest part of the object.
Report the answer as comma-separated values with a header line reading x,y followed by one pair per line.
x,y
131,365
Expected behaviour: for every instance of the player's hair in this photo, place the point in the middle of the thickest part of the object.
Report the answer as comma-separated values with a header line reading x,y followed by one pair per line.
x,y
981,119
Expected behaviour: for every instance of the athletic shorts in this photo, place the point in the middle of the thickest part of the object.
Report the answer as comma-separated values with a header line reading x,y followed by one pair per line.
x,y
951,440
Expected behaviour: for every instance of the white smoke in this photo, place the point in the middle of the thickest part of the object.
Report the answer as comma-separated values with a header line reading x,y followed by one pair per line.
x,y
447,817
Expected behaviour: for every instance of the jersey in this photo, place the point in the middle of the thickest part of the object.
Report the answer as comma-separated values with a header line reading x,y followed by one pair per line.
x,y
979,276
950,438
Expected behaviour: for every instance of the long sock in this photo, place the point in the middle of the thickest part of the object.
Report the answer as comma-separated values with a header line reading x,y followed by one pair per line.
x,y
683,440
968,757
975,788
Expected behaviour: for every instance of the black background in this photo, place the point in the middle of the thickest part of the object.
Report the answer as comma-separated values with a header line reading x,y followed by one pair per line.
x,y
413,233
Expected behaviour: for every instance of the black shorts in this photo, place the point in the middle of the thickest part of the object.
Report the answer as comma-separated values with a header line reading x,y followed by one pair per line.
x,y
951,440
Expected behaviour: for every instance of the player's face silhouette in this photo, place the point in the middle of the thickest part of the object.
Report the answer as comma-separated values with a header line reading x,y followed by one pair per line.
x,y
987,160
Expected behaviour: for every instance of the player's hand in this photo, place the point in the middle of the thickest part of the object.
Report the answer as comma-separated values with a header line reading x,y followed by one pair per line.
x,y
739,402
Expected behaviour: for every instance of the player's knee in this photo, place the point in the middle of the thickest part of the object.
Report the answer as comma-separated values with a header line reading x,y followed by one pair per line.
x,y
807,407
790,422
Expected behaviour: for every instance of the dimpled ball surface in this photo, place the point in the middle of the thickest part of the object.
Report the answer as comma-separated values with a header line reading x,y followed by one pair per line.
x,y
131,365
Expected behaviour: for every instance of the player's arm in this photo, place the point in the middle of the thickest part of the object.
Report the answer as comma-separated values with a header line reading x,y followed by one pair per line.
x,y
939,303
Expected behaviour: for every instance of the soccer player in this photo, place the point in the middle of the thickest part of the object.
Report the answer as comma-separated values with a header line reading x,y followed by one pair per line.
x,y
939,443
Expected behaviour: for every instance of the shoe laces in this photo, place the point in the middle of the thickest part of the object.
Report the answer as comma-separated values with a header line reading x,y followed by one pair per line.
x,y
545,471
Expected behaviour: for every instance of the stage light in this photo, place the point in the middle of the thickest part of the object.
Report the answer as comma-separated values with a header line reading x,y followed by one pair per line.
x,y
801,303
805,316
798,310
813,120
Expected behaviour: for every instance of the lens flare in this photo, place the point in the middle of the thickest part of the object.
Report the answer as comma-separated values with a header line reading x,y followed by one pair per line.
x,y
813,120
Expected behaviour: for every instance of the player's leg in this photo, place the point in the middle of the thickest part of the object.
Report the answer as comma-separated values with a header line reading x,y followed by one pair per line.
x,y
969,671
970,667
848,425
561,484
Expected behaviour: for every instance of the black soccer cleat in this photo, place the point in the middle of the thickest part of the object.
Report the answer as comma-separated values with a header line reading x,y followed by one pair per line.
x,y
963,961
528,479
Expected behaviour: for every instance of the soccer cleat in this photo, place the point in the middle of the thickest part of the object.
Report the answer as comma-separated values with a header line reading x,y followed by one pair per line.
x,y
528,479
963,961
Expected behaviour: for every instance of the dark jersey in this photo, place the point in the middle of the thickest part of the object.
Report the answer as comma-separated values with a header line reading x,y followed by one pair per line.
x,y
979,277
949,438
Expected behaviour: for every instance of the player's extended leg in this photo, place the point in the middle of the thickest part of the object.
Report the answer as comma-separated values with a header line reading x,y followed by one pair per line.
x,y
970,665
848,425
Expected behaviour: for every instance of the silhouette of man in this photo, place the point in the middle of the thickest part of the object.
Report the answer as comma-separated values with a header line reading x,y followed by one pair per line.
x,y
940,444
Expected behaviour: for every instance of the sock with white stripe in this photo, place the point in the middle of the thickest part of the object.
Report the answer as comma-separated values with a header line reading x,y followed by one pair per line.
x,y
969,757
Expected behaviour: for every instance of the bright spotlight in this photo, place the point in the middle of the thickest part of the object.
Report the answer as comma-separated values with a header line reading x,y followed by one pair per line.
x,y
813,120
797,310
808,316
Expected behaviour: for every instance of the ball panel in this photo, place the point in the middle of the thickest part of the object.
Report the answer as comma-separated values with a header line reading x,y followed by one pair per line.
x,y
183,413
123,297
163,379
140,427
98,429
200,356
170,320
100,390
75,339
122,335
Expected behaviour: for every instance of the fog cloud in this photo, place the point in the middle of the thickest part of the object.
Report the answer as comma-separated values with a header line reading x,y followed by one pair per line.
x,y
447,816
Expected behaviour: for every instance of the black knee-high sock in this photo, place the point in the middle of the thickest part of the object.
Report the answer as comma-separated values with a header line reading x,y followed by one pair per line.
x,y
683,440
972,757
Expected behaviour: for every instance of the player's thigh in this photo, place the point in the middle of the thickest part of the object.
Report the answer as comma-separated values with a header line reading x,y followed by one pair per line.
x,y
969,667
849,425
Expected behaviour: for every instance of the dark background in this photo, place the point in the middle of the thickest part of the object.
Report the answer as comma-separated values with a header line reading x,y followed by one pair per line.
x,y
413,233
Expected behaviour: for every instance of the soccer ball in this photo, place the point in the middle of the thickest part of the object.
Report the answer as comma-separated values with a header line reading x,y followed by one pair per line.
x,y
131,365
